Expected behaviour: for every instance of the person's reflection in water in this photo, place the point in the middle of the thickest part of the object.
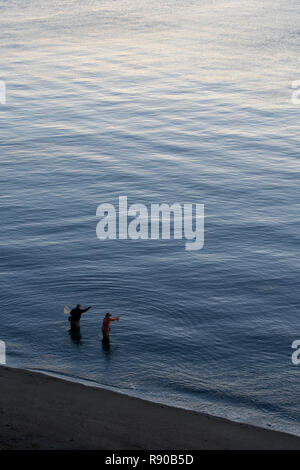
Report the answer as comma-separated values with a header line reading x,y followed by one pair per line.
x,y
75,334
106,345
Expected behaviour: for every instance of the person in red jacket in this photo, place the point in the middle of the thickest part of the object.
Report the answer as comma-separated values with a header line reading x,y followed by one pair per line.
x,y
106,325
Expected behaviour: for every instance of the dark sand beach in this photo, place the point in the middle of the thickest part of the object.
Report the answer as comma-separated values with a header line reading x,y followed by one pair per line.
x,y
43,412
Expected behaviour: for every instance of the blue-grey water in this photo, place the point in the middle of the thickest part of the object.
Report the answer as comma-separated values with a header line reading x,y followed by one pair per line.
x,y
174,101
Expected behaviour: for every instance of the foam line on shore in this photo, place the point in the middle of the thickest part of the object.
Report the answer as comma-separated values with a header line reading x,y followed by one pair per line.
x,y
45,412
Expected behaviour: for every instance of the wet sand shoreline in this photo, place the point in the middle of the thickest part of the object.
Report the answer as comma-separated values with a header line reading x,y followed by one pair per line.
x,y
44,412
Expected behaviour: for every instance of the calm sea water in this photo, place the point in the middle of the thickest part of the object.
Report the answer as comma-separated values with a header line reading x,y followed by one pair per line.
x,y
174,101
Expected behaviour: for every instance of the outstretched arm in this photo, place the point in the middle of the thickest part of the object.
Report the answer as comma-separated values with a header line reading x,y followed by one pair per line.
x,y
114,319
85,309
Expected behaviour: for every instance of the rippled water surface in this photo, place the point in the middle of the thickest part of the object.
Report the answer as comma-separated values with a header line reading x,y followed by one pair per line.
x,y
174,101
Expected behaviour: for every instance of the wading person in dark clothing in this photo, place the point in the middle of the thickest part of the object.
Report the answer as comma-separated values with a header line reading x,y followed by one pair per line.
x,y
106,326
75,315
